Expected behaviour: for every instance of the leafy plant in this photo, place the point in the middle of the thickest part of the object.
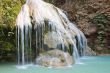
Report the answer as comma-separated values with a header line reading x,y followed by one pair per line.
x,y
9,10
100,18
101,21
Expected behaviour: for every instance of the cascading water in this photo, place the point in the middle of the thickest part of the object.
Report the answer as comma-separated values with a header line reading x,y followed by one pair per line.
x,y
42,26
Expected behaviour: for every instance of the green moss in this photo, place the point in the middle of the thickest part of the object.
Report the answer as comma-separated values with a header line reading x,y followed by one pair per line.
x,y
46,29
70,49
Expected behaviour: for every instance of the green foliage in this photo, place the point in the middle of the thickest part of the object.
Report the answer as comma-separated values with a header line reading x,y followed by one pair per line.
x,y
7,47
101,21
9,10
7,41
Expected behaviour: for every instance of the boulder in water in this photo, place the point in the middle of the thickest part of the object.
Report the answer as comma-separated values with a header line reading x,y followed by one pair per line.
x,y
55,58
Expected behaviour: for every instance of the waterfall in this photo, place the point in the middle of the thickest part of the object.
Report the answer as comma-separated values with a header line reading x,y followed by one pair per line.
x,y
42,26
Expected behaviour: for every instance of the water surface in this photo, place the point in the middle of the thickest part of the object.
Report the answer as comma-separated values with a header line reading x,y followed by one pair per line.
x,y
98,64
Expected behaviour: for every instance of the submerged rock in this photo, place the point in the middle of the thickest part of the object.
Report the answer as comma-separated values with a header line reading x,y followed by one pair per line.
x,y
54,58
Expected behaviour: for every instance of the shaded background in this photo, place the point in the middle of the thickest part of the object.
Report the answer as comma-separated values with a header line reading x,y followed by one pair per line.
x,y
91,16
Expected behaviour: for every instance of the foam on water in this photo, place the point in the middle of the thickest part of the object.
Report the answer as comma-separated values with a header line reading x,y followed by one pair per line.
x,y
24,66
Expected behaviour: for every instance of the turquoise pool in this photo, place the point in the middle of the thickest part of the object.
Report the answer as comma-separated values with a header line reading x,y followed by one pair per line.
x,y
98,64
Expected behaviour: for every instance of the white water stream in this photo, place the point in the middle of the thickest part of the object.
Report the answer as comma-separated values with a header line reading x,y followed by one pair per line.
x,y
51,27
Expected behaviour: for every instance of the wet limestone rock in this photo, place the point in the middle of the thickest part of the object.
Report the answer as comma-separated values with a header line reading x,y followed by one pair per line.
x,y
55,58
89,52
